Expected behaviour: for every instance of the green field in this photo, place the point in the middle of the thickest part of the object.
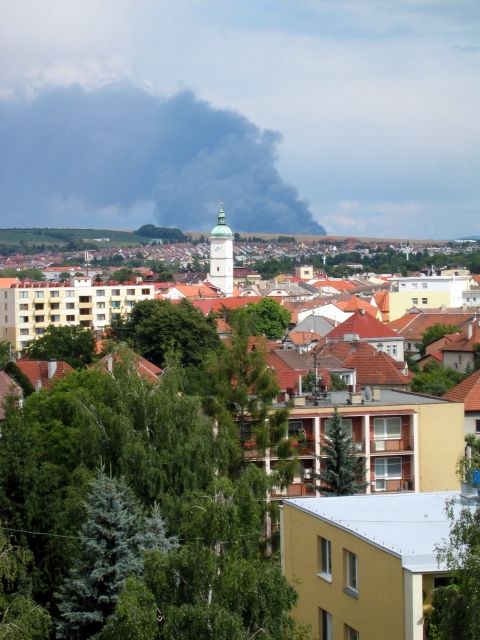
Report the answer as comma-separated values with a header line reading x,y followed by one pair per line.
x,y
63,236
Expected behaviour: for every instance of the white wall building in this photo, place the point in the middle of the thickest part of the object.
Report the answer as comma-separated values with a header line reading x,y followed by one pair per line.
x,y
221,255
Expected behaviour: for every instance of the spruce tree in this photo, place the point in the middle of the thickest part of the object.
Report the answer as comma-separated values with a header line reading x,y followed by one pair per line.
x,y
109,553
343,469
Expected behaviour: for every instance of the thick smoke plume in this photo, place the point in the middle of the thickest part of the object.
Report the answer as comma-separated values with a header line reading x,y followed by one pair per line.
x,y
116,155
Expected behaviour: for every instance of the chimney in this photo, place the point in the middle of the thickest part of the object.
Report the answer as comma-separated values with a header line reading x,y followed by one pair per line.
x,y
361,312
376,394
469,330
300,385
51,368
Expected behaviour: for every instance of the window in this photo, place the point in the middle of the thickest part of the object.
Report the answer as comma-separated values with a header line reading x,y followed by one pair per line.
x,y
100,292
346,425
39,306
130,292
55,318
70,305
39,331
145,292
24,332
115,292
388,468
54,294
324,557
351,634
115,316
54,305
387,428
23,294
23,318
84,299
39,294
477,426
325,624
414,300
130,304
351,572
24,343
100,305
85,312
414,285
24,307
115,304
70,293
424,285
39,318
70,318
100,317
424,300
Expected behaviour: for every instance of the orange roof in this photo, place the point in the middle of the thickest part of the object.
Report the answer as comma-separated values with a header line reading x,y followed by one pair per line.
x,y
144,367
216,304
37,371
373,367
354,303
6,283
301,338
223,327
467,391
382,300
412,325
196,290
364,325
339,285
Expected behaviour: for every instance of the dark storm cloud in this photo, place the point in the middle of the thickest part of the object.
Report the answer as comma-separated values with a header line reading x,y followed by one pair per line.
x,y
119,146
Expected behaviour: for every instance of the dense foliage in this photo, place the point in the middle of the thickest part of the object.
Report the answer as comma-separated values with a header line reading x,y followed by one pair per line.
x,y
435,380
73,344
268,318
434,333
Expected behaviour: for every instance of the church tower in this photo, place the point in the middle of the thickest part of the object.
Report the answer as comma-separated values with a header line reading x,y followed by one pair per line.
x,y
221,255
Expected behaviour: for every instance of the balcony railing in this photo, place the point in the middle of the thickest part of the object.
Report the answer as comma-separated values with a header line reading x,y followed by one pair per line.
x,y
385,485
297,489
389,445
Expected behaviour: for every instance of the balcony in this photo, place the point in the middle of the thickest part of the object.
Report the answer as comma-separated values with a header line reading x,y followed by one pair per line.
x,y
385,485
295,490
391,445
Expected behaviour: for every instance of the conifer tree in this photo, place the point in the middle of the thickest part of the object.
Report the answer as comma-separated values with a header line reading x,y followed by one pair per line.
x,y
344,469
109,553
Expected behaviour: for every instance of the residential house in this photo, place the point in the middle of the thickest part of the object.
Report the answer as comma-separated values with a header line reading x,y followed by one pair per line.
x,y
43,373
363,327
364,567
460,350
8,388
468,392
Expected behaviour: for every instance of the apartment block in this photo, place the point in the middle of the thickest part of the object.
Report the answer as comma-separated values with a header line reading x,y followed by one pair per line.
x,y
28,308
364,566
410,442
426,292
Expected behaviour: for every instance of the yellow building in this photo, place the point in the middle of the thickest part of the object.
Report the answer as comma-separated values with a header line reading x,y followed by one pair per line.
x,y
27,309
364,566
409,441
426,292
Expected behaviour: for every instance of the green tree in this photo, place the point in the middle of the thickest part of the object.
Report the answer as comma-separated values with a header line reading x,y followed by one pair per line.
x,y
125,275
433,333
435,380
455,607
5,348
155,327
20,617
135,614
269,318
73,344
343,473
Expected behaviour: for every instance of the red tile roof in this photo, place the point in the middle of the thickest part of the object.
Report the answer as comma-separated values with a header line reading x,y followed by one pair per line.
x,y
216,304
364,325
467,391
37,372
412,325
302,338
354,303
8,387
144,367
339,285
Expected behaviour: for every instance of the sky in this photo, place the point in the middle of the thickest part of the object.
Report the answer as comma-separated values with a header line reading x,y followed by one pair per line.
x,y
356,116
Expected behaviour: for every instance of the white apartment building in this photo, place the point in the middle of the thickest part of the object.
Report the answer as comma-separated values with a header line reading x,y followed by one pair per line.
x,y
427,292
28,308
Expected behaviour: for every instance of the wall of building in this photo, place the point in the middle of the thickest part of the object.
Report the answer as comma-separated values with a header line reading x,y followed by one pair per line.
x,y
377,612
460,361
401,301
441,444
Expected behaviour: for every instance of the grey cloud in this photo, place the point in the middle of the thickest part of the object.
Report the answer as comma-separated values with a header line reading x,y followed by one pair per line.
x,y
118,146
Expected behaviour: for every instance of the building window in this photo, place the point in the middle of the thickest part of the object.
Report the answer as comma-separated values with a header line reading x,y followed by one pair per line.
x,y
130,292
351,633
351,572
387,469
39,318
24,307
39,294
424,300
115,304
70,305
145,292
39,331
85,312
100,305
70,293
424,285
115,316
54,305
54,294
23,318
115,292
346,426
477,426
100,292
24,343
70,318
325,624
55,318
39,306
387,428
24,332
324,549
23,294
100,317
414,300
84,299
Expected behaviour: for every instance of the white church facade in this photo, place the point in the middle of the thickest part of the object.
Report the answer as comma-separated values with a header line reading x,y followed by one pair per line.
x,y
221,255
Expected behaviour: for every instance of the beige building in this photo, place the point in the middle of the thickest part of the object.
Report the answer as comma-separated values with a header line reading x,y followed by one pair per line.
x,y
365,566
27,309
426,292
410,442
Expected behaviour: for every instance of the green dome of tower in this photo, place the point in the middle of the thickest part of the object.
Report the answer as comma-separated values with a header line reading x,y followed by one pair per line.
x,y
221,229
